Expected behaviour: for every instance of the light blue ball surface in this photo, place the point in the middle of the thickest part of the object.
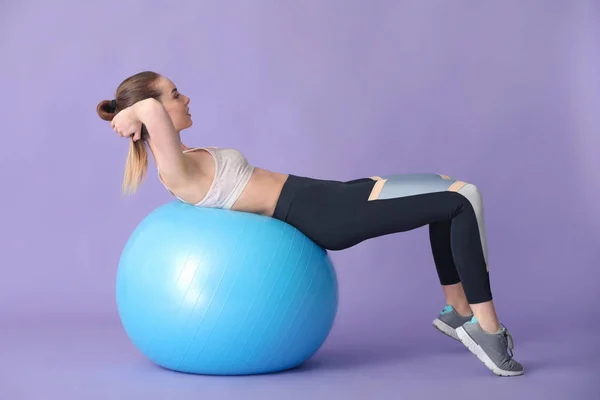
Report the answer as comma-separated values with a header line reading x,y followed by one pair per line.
x,y
221,292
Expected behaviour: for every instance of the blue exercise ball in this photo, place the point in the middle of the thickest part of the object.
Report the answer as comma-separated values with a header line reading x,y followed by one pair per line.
x,y
222,292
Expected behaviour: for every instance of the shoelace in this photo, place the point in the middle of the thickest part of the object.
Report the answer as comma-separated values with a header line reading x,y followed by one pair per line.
x,y
510,344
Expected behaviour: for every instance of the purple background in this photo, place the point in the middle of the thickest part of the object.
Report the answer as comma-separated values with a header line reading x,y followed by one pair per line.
x,y
506,96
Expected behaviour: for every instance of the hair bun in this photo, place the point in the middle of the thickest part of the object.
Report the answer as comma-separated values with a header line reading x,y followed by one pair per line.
x,y
106,110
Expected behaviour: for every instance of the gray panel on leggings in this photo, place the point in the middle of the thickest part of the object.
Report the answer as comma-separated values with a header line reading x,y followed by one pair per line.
x,y
472,193
412,185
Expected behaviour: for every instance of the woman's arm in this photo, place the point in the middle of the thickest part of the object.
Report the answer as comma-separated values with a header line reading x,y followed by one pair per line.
x,y
164,140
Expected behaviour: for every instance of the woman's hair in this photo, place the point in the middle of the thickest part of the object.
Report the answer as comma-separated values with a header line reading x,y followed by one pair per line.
x,y
136,88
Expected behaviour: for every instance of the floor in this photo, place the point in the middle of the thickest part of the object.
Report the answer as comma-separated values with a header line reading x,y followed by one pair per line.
x,y
74,359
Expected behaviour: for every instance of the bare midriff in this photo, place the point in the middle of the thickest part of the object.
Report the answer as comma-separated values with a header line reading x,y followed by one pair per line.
x,y
261,193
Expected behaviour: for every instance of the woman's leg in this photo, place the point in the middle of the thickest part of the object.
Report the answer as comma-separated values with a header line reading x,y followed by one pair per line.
x,y
439,237
457,310
483,335
337,216
472,226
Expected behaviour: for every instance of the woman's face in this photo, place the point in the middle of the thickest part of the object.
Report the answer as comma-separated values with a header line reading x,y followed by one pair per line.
x,y
175,103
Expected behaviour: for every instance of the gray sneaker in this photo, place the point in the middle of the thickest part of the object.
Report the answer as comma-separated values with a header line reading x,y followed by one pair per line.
x,y
449,320
493,349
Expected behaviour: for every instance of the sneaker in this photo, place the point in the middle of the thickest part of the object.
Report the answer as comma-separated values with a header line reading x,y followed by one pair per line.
x,y
493,349
449,320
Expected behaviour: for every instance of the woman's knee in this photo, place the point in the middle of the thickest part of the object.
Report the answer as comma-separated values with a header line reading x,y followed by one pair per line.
x,y
471,192
469,196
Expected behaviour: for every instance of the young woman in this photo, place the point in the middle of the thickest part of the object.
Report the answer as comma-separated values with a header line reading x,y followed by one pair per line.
x,y
150,111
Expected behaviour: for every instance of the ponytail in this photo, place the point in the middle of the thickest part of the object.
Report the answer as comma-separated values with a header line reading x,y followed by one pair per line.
x,y
136,166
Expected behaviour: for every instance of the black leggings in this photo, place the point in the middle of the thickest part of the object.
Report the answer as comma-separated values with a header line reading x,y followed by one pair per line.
x,y
337,215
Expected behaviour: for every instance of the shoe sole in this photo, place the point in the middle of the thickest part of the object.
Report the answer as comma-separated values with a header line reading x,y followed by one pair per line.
x,y
445,328
481,355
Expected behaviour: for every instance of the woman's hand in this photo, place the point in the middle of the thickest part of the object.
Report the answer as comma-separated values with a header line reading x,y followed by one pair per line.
x,y
126,123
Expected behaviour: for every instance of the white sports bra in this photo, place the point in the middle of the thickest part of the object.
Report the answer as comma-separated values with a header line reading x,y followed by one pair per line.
x,y
232,173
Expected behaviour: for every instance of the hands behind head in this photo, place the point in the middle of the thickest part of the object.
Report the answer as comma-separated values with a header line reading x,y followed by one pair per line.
x,y
126,124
